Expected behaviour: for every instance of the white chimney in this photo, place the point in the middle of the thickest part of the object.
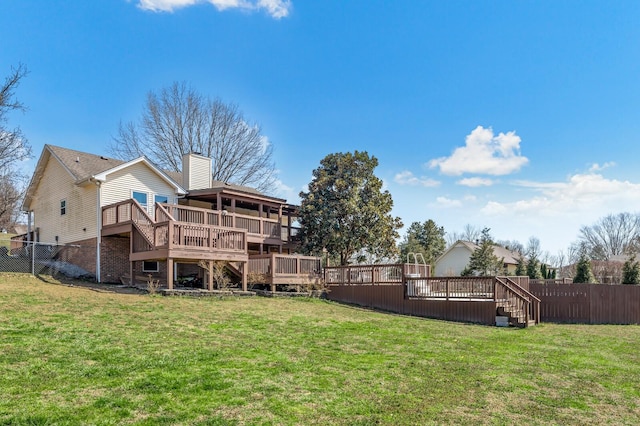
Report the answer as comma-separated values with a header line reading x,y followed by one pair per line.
x,y
196,171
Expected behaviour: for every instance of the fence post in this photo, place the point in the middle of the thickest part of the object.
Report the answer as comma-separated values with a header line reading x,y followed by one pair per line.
x,y
447,287
494,282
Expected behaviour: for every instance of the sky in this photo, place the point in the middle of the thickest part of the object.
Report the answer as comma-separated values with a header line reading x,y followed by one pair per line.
x,y
518,116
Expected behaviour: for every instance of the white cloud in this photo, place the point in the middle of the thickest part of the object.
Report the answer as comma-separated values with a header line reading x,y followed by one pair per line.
x,y
475,182
448,202
484,153
282,190
408,178
581,193
595,167
555,211
264,144
276,8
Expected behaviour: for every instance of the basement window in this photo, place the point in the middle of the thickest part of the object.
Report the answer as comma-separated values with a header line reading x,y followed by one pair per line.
x,y
63,207
150,266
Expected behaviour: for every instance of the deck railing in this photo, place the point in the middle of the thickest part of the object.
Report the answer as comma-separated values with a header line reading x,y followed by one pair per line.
x,y
278,265
169,233
253,225
393,273
448,288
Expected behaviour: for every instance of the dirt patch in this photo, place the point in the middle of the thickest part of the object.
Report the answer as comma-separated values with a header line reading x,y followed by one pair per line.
x,y
107,288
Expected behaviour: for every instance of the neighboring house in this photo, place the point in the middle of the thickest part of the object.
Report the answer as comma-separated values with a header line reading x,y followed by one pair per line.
x,y
122,218
17,229
453,261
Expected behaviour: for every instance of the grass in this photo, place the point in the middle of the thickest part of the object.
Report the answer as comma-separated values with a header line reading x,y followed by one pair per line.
x,y
72,355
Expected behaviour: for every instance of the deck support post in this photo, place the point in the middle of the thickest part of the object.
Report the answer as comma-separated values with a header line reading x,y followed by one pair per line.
x,y
272,270
210,276
170,273
245,268
132,279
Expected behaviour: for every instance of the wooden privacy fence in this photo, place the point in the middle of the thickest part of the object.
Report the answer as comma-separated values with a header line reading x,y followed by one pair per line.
x,y
397,288
391,297
588,303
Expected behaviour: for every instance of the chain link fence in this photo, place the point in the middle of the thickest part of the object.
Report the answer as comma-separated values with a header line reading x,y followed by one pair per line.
x,y
30,257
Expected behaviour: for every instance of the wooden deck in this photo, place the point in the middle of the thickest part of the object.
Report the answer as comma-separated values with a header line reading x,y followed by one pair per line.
x,y
276,269
191,234
169,238
470,299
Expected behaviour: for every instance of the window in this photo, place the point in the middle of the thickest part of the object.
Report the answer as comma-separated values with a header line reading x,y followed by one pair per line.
x,y
63,207
161,199
140,197
150,266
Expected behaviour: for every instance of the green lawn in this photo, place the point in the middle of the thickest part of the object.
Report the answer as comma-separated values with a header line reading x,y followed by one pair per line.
x,y
72,355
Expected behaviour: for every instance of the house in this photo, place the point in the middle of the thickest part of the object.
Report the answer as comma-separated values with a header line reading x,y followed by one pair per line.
x,y
126,218
453,261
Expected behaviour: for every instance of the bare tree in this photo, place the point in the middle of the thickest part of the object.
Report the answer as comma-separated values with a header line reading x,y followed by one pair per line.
x,y
512,245
468,233
14,147
611,235
178,120
11,191
561,263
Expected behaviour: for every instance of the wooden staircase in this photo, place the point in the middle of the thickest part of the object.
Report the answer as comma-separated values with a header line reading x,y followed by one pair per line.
x,y
517,316
518,304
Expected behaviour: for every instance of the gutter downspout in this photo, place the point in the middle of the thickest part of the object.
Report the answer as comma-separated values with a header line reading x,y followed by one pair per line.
x,y
99,227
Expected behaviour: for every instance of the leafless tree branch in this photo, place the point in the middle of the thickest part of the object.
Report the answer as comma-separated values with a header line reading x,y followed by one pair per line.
x,y
178,120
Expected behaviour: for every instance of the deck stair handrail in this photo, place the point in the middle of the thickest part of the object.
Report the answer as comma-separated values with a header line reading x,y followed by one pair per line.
x,y
162,215
517,301
143,222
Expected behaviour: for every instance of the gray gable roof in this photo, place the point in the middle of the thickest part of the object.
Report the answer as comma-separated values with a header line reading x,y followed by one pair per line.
x,y
218,184
82,165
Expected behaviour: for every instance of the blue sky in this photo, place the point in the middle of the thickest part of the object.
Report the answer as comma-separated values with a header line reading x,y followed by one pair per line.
x,y
520,116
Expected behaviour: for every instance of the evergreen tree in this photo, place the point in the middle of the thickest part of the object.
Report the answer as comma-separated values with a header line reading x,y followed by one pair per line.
x,y
583,269
631,271
483,261
346,210
533,271
521,268
543,271
426,238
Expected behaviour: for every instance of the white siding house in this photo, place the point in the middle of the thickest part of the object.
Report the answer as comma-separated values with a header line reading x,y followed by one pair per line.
x,y
453,261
